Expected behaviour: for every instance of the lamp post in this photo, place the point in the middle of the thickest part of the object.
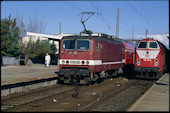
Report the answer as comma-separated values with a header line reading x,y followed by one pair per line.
x,y
167,34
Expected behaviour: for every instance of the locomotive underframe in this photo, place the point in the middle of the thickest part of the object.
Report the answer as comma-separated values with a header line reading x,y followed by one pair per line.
x,y
70,74
148,72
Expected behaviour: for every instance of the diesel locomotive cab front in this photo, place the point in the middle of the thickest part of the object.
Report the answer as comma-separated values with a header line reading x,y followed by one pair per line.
x,y
74,58
148,59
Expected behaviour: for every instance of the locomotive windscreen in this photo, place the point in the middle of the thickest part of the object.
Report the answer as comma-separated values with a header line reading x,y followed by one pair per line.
x,y
142,45
69,44
82,44
153,45
76,44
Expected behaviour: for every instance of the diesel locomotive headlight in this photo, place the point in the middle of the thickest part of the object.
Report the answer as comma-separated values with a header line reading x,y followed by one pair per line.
x,y
138,63
156,63
156,60
138,59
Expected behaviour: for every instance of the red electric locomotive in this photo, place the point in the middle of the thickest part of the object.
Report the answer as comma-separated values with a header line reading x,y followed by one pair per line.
x,y
151,59
91,58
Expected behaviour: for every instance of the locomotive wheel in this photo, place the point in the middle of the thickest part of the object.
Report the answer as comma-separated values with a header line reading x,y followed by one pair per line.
x,y
60,81
159,74
138,76
88,80
99,80
96,77
106,75
114,74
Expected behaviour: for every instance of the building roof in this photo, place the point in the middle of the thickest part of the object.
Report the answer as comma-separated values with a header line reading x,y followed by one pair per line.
x,y
45,35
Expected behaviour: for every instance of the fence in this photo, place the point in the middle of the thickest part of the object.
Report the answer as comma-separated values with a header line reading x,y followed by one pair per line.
x,y
12,61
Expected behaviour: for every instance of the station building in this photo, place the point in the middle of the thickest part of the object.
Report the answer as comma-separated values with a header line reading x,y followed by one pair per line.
x,y
44,37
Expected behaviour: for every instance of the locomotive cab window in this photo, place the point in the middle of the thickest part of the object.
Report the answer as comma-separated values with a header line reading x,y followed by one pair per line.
x,y
142,45
153,45
83,44
69,44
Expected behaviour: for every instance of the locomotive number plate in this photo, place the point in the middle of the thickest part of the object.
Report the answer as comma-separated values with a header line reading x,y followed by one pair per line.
x,y
146,59
74,62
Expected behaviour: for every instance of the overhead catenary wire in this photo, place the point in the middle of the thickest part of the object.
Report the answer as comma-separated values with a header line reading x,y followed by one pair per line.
x,y
123,23
149,15
99,16
108,23
143,16
105,21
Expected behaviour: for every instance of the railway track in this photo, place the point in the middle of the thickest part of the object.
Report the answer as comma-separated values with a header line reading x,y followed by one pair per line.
x,y
120,99
111,95
18,100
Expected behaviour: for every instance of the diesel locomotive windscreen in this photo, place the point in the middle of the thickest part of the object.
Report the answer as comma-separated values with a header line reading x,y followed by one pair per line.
x,y
153,45
142,45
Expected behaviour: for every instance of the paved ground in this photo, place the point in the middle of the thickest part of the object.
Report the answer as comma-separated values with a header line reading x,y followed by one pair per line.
x,y
156,98
16,74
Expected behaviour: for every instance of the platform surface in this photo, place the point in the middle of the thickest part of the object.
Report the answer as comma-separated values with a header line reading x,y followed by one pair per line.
x,y
17,74
156,98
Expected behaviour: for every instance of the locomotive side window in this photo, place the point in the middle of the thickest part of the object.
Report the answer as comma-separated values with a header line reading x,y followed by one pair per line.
x,y
153,45
83,44
69,44
142,45
97,46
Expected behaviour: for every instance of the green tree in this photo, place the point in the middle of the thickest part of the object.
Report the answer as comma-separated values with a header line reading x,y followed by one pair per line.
x,y
9,37
53,54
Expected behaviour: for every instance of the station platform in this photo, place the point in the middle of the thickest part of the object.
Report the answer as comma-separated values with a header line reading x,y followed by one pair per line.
x,y
156,98
26,73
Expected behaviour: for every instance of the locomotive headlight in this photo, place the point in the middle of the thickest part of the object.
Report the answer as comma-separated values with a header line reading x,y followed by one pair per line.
x,y
138,60
138,63
83,62
156,60
67,61
62,61
156,63
87,62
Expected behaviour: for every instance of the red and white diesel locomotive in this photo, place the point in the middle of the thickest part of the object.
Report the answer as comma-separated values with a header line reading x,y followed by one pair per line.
x,y
150,59
91,58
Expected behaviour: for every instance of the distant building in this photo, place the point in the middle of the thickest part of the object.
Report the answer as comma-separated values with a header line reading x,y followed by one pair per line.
x,y
44,37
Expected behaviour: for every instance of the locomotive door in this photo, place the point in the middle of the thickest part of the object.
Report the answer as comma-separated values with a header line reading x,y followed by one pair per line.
x,y
123,55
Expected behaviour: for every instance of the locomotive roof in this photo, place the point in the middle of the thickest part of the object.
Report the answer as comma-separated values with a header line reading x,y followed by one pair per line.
x,y
151,39
99,38
148,39
129,45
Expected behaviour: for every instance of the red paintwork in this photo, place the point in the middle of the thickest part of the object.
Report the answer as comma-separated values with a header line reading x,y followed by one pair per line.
x,y
129,52
150,63
108,52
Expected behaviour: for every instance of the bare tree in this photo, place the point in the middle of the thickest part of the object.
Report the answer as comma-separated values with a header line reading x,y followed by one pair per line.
x,y
35,25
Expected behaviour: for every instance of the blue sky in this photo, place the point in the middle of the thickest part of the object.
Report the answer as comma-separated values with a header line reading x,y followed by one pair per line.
x,y
137,15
